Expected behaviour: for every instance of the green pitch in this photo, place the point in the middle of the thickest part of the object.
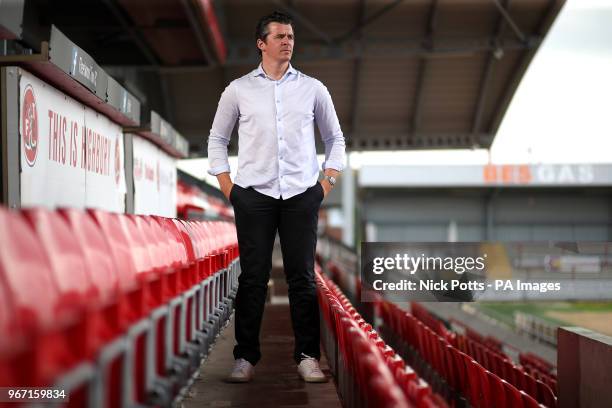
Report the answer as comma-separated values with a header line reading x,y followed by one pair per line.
x,y
504,311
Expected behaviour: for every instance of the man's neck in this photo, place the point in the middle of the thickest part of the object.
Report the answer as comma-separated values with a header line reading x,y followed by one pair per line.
x,y
275,70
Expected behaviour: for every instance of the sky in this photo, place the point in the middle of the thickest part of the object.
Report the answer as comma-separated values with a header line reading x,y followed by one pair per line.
x,y
560,113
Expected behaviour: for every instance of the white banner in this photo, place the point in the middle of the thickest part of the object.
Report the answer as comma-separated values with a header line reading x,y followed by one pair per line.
x,y
105,180
70,155
476,175
167,184
154,179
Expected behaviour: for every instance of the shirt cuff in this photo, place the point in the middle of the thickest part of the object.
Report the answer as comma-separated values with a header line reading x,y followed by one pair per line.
x,y
332,165
224,168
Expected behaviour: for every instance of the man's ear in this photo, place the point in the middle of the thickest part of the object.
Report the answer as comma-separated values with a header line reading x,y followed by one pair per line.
x,y
261,44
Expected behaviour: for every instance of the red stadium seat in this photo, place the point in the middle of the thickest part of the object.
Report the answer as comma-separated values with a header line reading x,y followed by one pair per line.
x,y
484,389
188,286
395,362
176,246
35,310
384,393
65,256
120,303
497,391
528,401
418,390
166,356
512,394
404,376
101,267
546,395
139,285
138,245
159,238
134,289
99,322
459,379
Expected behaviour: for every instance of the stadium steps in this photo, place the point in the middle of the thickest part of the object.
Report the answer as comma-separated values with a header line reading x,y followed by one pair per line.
x,y
276,382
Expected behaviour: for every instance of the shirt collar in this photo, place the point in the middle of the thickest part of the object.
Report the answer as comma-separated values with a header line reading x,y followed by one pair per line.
x,y
260,72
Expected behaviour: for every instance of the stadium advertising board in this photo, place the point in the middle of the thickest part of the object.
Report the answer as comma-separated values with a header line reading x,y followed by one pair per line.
x,y
154,180
71,156
490,175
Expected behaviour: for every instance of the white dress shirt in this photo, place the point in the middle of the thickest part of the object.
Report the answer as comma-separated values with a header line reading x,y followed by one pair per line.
x,y
276,143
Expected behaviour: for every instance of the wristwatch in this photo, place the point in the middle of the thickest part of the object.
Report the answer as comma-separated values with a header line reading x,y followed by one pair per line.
x,y
331,180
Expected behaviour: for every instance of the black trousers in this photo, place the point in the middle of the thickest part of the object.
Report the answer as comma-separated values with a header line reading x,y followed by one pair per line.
x,y
258,218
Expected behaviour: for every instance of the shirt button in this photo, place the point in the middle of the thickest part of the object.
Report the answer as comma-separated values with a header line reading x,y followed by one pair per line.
x,y
279,119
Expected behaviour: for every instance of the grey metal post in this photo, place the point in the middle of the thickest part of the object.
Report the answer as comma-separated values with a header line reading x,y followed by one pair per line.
x,y
348,204
489,207
9,123
128,154
488,227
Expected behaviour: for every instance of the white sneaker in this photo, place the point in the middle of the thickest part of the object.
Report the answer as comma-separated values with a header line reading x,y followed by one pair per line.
x,y
310,371
242,372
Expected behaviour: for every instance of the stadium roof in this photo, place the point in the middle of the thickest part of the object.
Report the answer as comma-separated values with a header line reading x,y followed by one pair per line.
x,y
403,74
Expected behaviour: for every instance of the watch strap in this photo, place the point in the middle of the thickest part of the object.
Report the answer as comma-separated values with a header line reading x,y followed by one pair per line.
x,y
331,180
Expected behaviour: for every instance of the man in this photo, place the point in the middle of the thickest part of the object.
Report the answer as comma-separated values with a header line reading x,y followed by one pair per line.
x,y
276,188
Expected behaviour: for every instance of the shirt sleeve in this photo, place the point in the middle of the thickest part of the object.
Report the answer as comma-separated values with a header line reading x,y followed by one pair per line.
x,y
221,131
329,127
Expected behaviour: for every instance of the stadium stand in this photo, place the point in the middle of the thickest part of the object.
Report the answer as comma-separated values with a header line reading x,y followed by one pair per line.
x,y
462,368
120,330
368,372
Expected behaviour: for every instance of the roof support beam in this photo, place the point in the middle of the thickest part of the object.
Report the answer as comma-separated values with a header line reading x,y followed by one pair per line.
x,y
197,30
303,21
369,19
210,23
421,140
427,44
134,33
504,12
219,7
529,50
488,72
243,53
149,54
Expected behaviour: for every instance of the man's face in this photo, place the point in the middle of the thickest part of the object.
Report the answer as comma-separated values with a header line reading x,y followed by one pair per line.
x,y
279,42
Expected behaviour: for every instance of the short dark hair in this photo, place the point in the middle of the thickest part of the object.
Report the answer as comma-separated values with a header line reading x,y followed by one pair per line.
x,y
261,31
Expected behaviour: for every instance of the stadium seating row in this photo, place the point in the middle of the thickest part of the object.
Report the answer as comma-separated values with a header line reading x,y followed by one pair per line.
x,y
499,363
489,352
430,321
473,343
481,387
540,369
536,380
368,372
115,309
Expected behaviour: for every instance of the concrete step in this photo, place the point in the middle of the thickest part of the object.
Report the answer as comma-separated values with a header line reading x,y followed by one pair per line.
x,y
276,382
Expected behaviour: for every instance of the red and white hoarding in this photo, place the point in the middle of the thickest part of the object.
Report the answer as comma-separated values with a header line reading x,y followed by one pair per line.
x,y
71,156
155,179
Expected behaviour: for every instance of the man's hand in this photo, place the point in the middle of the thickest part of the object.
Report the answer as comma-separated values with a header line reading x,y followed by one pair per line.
x,y
225,184
227,190
326,187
